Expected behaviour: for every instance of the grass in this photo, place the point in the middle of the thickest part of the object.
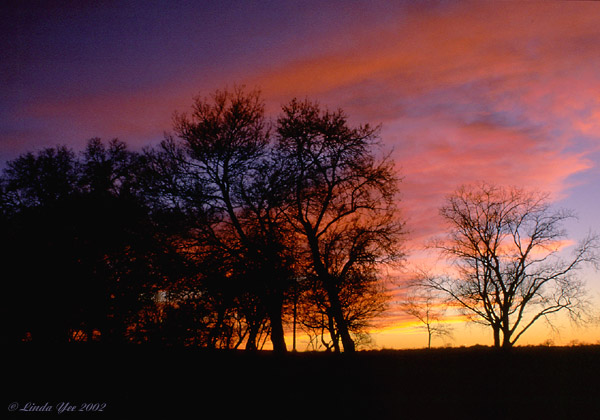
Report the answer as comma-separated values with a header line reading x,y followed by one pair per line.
x,y
467,383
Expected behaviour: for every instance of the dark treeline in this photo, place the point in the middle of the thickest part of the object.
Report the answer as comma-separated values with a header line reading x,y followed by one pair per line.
x,y
233,231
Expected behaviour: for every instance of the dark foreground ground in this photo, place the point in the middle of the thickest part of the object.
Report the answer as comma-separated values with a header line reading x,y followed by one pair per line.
x,y
141,382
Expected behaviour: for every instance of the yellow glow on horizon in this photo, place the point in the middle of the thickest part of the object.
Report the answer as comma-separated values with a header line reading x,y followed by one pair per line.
x,y
411,334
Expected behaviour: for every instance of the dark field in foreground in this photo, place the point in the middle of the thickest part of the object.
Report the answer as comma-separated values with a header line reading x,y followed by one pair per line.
x,y
470,383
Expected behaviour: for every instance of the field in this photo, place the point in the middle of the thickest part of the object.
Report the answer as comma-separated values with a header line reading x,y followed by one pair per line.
x,y
466,383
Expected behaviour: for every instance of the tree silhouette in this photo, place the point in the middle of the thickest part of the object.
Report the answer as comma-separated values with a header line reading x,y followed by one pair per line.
x,y
221,176
428,308
363,298
202,240
341,199
505,243
37,180
79,250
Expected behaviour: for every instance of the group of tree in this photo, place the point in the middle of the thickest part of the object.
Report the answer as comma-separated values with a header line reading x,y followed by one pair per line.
x,y
232,228
236,227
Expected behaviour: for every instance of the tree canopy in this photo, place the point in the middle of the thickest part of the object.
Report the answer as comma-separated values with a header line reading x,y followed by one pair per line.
x,y
505,245
208,239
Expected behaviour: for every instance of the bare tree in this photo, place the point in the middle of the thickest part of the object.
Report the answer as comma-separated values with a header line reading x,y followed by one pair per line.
x,y
342,198
363,298
428,307
505,244
218,171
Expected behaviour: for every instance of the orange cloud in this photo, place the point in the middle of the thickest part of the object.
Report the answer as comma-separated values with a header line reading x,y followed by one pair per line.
x,y
474,92
505,92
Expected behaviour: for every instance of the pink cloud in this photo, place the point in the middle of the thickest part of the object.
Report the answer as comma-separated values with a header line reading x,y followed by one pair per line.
x,y
504,92
477,93
468,92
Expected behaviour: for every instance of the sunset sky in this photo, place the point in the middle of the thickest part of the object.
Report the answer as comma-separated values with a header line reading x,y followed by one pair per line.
x,y
507,92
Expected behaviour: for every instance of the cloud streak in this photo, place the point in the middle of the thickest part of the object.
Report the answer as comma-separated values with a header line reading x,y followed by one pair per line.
x,y
505,92
466,94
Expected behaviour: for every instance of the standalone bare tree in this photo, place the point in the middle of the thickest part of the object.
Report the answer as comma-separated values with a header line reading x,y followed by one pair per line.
x,y
505,244
429,308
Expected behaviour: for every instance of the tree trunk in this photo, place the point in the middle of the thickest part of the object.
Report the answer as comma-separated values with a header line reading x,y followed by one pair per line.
x,y
251,345
295,315
335,339
332,295
215,331
340,321
277,334
429,334
506,344
505,327
496,336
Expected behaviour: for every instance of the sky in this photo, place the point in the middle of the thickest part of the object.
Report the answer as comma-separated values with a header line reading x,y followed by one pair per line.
x,y
506,92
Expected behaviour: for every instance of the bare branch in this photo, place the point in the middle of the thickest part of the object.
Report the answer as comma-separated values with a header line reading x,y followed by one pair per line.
x,y
504,244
